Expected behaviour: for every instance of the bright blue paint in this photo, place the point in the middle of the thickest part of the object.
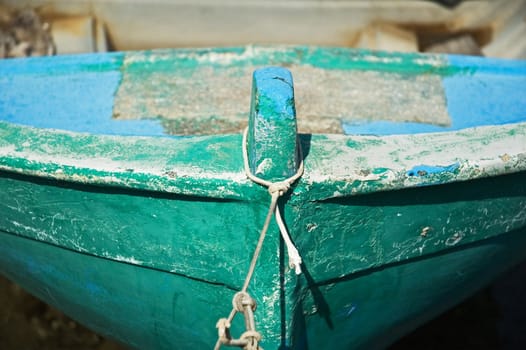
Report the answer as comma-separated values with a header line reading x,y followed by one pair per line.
x,y
274,83
494,94
75,99
272,117
482,91
423,170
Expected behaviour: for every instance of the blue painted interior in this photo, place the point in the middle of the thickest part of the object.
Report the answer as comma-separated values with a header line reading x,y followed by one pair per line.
x,y
76,93
484,92
85,105
67,92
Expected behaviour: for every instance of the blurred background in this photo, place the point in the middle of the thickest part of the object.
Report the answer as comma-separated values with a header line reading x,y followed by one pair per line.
x,y
494,318
490,28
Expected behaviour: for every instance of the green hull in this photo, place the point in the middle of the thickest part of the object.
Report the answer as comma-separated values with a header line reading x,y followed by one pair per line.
x,y
146,239
146,307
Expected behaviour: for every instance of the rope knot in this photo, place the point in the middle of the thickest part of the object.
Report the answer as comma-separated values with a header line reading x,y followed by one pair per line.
x,y
252,339
281,188
242,299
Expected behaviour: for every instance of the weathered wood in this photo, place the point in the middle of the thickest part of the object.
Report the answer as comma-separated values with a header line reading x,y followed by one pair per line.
x,y
153,234
272,132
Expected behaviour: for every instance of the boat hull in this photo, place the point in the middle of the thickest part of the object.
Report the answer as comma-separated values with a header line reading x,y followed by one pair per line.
x,y
147,238
148,307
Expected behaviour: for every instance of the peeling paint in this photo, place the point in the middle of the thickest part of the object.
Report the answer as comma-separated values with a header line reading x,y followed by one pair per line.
x,y
423,170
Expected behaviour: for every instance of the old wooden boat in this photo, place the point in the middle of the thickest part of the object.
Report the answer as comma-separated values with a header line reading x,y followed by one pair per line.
x,y
412,195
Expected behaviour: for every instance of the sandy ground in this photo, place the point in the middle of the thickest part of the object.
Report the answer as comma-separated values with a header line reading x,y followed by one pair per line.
x,y
26,323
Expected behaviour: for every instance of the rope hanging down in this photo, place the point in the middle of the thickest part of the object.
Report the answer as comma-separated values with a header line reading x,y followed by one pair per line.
x,y
242,302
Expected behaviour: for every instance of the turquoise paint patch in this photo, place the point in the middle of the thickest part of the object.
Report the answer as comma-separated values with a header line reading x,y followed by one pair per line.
x,y
43,94
326,58
360,59
423,170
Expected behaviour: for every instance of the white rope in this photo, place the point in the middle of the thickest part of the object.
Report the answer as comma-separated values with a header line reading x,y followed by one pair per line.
x,y
279,188
294,255
251,338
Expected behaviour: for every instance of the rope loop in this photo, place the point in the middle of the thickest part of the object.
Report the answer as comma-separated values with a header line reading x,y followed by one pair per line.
x,y
276,190
252,338
251,334
223,330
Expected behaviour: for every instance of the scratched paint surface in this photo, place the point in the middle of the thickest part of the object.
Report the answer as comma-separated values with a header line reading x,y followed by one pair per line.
x,y
211,166
272,116
377,219
80,288
156,232
396,294
404,224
